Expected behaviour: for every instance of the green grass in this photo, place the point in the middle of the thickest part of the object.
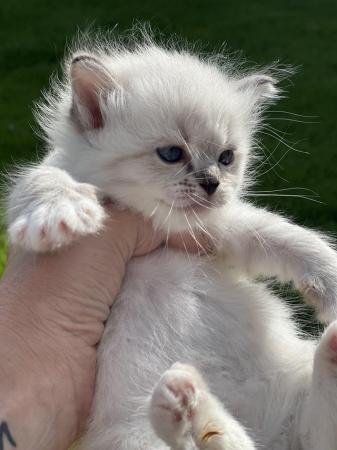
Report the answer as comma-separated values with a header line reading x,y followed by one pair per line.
x,y
33,35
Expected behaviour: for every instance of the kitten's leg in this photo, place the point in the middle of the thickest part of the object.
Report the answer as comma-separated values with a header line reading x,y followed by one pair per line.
x,y
183,412
47,209
318,428
261,242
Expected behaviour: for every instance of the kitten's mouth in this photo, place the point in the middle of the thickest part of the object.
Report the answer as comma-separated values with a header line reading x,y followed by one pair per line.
x,y
190,205
196,202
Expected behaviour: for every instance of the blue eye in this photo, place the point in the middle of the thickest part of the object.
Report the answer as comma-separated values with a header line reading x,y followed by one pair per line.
x,y
170,154
227,157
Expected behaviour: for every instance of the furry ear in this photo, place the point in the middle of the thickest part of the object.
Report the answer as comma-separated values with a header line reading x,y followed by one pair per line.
x,y
262,87
91,83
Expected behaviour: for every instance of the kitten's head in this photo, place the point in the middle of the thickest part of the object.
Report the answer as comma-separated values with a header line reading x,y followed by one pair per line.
x,y
162,131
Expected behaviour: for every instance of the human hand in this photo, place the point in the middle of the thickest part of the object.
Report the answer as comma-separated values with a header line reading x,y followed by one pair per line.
x,y
52,313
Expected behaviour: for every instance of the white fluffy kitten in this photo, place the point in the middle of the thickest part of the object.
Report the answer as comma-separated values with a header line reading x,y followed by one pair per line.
x,y
195,353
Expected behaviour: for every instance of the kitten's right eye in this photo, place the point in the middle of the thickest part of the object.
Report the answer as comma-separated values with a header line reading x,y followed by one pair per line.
x,y
227,157
170,155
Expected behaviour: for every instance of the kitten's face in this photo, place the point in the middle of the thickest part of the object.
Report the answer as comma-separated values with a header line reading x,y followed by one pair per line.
x,y
176,175
170,134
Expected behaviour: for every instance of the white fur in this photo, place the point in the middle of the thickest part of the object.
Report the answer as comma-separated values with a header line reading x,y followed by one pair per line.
x,y
246,378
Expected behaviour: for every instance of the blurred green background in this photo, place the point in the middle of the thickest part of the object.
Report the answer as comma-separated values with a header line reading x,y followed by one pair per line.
x,y
303,33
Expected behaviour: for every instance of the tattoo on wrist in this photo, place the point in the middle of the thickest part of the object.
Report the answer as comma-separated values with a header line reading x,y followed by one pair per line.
x,y
5,436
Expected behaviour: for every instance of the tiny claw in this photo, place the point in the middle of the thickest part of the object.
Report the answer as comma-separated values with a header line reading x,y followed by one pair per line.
x,y
64,228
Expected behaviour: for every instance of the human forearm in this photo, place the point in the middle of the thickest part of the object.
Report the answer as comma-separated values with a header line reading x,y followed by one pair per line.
x,y
52,311
40,387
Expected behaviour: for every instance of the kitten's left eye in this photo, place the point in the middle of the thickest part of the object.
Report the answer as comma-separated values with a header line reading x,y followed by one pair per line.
x,y
170,154
227,157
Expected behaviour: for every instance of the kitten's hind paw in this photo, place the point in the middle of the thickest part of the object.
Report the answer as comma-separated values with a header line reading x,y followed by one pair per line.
x,y
57,221
173,402
186,415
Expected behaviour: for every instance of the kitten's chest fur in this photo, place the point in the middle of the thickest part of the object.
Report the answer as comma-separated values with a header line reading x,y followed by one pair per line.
x,y
177,308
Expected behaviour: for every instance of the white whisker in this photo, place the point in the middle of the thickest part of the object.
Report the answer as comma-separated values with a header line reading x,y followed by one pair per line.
x,y
286,119
271,133
168,225
284,189
291,114
180,170
154,209
187,253
204,199
168,215
276,164
194,236
198,203
304,197
203,229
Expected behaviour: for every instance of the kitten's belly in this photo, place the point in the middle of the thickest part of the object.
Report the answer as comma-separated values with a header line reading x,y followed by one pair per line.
x,y
178,308
170,309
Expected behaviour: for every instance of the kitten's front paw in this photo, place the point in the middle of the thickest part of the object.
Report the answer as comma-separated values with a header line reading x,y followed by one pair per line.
x,y
321,293
173,402
56,221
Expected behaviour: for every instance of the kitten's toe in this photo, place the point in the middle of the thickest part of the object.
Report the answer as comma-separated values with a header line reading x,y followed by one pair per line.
x,y
17,231
193,372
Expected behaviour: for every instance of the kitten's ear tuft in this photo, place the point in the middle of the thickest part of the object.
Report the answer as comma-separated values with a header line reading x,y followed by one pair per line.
x,y
91,84
262,87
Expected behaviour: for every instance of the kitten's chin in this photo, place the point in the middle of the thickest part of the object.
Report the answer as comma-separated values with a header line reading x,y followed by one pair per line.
x,y
175,220
170,219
